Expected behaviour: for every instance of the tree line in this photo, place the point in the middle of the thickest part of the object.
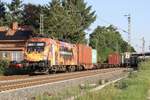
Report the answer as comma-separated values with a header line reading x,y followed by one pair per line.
x,y
64,20
108,40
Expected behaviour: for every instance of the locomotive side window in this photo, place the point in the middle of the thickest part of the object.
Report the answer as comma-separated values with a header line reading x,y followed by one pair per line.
x,y
66,52
35,47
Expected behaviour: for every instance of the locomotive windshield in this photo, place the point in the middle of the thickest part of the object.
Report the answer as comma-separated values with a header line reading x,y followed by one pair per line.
x,y
35,47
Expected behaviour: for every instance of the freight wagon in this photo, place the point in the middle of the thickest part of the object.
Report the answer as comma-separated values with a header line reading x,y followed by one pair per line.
x,y
114,60
119,60
94,56
45,55
84,54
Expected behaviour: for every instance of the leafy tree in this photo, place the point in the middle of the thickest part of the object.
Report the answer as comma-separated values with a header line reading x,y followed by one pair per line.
x,y
2,12
15,10
67,20
63,19
55,19
31,15
107,40
81,14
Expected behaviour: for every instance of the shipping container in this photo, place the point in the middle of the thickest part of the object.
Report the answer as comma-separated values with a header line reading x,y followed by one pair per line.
x,y
84,56
114,59
94,56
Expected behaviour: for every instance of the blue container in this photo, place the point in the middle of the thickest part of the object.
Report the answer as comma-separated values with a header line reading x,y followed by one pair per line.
x,y
94,56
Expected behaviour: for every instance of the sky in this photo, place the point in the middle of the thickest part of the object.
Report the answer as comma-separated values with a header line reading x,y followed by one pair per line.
x,y
113,11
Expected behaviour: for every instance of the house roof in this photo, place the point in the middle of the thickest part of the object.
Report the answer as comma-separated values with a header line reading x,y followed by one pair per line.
x,y
19,35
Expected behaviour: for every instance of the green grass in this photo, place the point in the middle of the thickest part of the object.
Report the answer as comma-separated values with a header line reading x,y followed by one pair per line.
x,y
72,91
135,87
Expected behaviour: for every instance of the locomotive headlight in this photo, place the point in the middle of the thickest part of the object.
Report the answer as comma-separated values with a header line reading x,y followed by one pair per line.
x,y
45,58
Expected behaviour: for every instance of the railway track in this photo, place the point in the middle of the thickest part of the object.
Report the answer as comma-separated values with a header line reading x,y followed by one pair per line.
x,y
39,80
13,77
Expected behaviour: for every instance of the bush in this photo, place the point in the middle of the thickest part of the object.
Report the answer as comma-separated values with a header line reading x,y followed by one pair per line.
x,y
5,69
121,84
16,71
4,64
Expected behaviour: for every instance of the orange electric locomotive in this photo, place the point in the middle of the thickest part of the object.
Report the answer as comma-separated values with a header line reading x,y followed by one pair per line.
x,y
43,55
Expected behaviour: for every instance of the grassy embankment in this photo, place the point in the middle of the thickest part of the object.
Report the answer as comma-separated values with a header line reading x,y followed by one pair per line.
x,y
135,87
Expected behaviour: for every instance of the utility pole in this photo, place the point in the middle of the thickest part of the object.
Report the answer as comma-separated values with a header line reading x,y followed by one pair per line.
x,y
41,23
88,39
88,36
149,47
129,31
143,47
117,47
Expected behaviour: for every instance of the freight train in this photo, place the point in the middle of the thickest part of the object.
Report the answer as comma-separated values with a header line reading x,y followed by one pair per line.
x,y
45,55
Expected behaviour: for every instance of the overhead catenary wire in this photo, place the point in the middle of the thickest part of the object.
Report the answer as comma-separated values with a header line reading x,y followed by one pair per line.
x,y
125,31
115,26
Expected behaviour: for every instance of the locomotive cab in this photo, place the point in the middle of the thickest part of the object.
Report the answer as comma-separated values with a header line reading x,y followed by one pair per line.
x,y
36,55
35,51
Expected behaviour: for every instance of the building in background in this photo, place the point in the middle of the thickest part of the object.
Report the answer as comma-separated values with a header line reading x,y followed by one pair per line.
x,y
13,41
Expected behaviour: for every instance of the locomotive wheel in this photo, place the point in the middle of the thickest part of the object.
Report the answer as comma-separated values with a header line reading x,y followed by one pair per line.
x,y
53,70
47,70
71,68
80,68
